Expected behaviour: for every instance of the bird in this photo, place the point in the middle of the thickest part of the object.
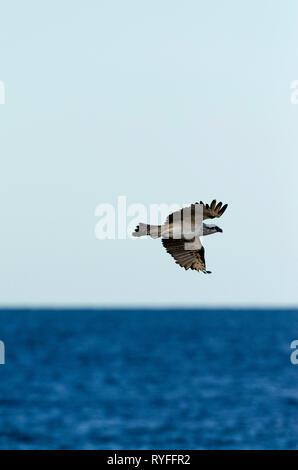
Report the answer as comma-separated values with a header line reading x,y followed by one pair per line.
x,y
181,232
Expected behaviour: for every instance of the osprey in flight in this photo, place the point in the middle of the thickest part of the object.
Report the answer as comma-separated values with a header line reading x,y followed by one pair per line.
x,y
181,233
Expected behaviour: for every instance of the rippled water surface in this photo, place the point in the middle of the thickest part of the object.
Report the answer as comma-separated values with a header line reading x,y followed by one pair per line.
x,y
155,379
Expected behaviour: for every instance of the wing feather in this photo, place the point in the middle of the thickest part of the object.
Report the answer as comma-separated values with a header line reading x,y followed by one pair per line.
x,y
186,258
211,211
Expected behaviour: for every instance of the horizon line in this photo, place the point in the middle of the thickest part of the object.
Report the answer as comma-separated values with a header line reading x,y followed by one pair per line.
x,y
148,307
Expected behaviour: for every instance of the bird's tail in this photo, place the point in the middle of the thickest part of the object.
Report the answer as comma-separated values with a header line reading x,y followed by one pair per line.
x,y
154,231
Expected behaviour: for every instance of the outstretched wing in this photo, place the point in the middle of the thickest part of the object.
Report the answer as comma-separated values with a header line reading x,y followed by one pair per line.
x,y
214,210
188,254
209,211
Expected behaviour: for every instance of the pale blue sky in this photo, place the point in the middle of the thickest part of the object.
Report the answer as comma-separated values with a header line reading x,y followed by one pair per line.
x,y
161,101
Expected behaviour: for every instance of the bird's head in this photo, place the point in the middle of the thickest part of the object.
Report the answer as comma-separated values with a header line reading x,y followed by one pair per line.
x,y
208,229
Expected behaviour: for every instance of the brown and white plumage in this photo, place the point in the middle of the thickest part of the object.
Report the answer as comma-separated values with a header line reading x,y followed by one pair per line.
x,y
182,230
191,258
214,210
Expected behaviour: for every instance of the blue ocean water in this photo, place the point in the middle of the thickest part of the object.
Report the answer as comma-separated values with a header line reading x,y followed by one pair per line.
x,y
148,379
